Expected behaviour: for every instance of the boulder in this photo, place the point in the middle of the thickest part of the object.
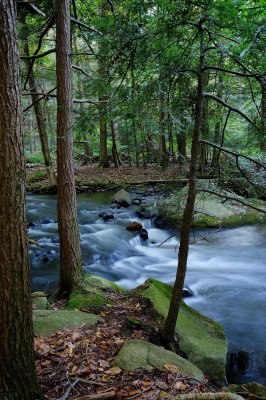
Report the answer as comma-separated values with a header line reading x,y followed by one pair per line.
x,y
39,301
47,322
92,295
210,210
134,226
122,198
201,339
136,354
187,292
251,390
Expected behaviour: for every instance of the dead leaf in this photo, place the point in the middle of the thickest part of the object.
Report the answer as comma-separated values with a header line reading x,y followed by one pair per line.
x,y
163,394
161,384
180,386
171,368
114,371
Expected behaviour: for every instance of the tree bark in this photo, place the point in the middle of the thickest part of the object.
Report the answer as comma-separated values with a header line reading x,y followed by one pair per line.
x,y
168,333
71,272
263,119
18,378
102,75
39,114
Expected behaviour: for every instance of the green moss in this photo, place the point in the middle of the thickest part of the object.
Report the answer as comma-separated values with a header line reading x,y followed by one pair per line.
x,y
201,339
93,294
99,282
47,322
82,298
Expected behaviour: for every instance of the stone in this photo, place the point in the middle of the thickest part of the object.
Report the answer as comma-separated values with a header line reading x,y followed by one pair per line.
x,y
39,301
251,389
106,216
143,213
134,226
136,201
47,322
187,292
136,354
122,198
201,339
210,211
143,233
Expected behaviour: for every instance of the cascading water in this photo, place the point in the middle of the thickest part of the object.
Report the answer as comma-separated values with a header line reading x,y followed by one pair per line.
x,y
226,270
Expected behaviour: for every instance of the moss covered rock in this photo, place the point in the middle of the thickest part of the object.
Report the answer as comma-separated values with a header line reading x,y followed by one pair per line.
x,y
137,354
251,389
47,322
201,339
39,301
93,294
210,210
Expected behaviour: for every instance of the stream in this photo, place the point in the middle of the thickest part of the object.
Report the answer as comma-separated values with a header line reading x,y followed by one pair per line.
x,y
226,272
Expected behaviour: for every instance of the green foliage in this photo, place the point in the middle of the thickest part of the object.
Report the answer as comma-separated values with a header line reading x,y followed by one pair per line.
x,y
35,158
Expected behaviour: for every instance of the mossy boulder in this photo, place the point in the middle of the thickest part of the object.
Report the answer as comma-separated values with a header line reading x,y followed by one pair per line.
x,y
210,210
93,294
39,301
47,322
251,389
200,338
137,354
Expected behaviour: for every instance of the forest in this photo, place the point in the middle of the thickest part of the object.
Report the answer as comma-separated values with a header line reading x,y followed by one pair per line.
x,y
107,95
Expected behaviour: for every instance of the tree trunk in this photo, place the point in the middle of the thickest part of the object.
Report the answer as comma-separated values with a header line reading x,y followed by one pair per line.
x,y
102,78
163,158
170,322
18,379
71,272
39,114
115,156
263,119
204,129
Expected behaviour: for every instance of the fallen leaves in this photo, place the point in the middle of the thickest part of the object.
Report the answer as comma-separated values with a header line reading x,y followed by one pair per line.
x,y
77,363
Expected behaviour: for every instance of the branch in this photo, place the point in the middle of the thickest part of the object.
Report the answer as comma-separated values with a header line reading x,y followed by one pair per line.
x,y
219,100
48,94
81,70
79,101
33,57
234,199
50,23
31,7
81,24
245,75
233,153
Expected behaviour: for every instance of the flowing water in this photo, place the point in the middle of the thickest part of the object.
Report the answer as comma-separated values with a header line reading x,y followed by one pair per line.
x,y
226,269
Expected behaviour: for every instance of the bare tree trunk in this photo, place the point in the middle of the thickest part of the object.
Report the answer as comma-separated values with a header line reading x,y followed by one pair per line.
x,y
163,158
39,114
18,378
102,76
115,156
170,322
71,272
263,119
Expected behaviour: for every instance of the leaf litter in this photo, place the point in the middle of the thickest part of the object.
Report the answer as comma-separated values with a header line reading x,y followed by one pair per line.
x,y
77,363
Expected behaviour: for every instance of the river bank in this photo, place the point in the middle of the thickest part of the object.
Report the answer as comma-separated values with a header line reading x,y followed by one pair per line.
x,y
92,178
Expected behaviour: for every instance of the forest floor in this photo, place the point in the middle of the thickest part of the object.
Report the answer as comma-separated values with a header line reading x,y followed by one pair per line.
x,y
77,363
94,178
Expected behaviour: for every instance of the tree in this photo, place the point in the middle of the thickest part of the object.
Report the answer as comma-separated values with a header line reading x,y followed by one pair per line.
x,y
71,272
38,109
18,378
170,322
